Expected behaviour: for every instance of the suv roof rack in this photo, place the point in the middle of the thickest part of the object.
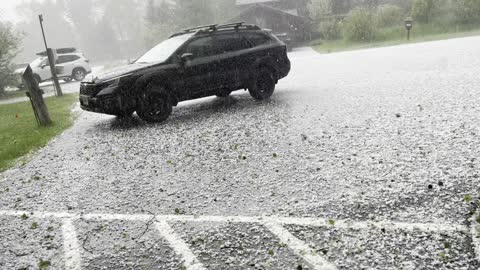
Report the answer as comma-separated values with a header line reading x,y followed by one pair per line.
x,y
209,26
215,27
60,51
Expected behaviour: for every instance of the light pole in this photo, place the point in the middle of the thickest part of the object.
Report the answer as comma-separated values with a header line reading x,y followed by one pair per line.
x,y
51,60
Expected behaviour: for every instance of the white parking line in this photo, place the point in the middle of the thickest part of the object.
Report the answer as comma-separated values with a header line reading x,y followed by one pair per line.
x,y
387,225
190,260
274,224
315,222
299,247
70,245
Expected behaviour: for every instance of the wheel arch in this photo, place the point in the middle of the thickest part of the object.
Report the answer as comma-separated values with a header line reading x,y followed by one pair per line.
x,y
145,83
265,62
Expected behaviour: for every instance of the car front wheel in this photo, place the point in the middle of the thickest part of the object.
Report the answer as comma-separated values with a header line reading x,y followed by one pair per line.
x,y
79,74
263,86
154,107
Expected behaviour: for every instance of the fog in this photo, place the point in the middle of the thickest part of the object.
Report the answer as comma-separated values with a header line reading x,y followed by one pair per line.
x,y
106,30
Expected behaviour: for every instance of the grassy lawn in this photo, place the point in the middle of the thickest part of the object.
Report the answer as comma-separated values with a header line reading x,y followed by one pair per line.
x,y
19,133
391,37
13,94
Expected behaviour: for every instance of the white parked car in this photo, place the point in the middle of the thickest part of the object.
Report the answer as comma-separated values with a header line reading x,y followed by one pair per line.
x,y
69,66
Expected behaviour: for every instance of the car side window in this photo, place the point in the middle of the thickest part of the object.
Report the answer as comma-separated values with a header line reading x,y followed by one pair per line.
x,y
62,59
66,58
230,43
258,39
201,47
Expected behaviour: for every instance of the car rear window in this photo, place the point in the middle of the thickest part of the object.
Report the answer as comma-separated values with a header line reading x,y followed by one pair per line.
x,y
257,39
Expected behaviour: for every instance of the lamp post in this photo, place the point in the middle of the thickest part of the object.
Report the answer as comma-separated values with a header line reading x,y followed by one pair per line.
x,y
51,61
408,26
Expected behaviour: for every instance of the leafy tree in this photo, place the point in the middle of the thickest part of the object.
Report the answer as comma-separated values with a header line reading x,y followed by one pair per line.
x,y
422,10
389,15
159,20
467,11
9,42
193,12
319,9
57,28
360,25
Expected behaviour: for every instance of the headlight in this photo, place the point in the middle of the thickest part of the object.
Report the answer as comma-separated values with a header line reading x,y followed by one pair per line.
x,y
112,83
110,86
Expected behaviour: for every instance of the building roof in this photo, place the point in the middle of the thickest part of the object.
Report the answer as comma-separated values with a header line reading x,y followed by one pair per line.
x,y
248,2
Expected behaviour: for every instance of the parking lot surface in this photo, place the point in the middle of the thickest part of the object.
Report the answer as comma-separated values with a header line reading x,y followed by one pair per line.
x,y
361,160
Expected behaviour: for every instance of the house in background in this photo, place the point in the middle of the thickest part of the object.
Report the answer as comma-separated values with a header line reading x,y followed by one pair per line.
x,y
281,16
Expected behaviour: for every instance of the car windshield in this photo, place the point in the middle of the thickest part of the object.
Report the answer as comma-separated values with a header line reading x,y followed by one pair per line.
x,y
162,51
37,62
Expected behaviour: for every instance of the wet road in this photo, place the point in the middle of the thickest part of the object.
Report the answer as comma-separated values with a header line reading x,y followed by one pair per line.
x,y
361,160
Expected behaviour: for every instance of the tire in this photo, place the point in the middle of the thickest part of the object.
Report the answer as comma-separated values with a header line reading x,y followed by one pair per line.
x,y
67,79
79,74
263,85
154,107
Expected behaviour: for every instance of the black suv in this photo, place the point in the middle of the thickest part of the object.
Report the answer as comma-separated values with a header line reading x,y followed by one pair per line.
x,y
195,63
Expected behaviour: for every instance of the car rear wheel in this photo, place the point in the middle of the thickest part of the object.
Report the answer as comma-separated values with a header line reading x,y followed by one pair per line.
x,y
79,74
263,86
67,79
154,107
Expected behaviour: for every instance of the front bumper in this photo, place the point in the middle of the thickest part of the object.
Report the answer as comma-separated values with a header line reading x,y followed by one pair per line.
x,y
107,104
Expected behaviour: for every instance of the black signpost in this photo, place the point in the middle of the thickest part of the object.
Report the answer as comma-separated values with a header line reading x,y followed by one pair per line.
x,y
408,26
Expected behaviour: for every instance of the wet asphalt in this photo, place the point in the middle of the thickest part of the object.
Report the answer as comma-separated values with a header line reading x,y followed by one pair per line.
x,y
385,134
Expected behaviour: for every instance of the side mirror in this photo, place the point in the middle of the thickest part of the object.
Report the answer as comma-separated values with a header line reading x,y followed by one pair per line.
x,y
186,57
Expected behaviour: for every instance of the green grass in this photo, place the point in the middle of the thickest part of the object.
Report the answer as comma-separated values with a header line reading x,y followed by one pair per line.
x,y
19,133
13,94
396,36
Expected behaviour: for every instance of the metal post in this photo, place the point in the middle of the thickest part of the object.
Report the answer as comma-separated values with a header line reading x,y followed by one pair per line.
x,y
51,61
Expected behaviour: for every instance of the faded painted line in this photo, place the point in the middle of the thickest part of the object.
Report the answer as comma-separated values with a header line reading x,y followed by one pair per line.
x,y
475,231
70,245
317,261
117,217
190,260
41,215
314,222
387,225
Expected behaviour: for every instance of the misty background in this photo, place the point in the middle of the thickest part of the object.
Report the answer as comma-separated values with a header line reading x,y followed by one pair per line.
x,y
106,30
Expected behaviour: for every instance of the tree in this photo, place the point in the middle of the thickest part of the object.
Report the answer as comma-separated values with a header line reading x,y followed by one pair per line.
x,y
58,29
467,11
360,25
422,10
193,12
319,9
9,43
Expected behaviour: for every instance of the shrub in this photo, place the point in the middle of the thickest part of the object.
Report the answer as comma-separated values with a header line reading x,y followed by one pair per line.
x,y
360,25
422,10
390,15
9,43
330,29
467,11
